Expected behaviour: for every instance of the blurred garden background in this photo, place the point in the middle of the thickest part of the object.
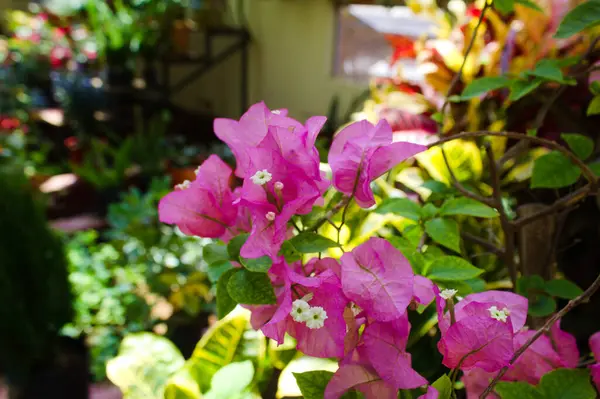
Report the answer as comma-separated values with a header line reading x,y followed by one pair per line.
x,y
106,105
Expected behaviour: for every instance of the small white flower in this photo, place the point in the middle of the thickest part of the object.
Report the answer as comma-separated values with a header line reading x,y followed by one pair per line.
x,y
276,111
448,293
278,186
261,177
183,186
500,315
300,310
197,171
270,216
316,318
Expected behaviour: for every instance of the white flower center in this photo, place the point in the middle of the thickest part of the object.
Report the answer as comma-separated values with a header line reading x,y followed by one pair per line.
x,y
278,186
261,177
270,216
316,317
183,186
300,310
497,314
447,293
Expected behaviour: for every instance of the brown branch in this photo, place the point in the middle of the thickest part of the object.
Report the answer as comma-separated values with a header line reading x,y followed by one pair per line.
x,y
422,242
463,190
587,172
484,243
545,328
343,202
559,205
458,75
505,223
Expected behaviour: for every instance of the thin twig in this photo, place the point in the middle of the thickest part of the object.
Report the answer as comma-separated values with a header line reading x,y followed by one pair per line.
x,y
458,75
484,243
458,185
587,172
422,242
343,202
545,328
505,223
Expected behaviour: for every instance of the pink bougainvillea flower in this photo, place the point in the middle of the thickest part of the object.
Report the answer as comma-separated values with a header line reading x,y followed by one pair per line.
x,y
378,278
327,341
361,378
476,381
516,305
431,393
540,358
203,207
321,292
565,345
482,338
423,290
360,153
250,131
595,368
385,348
274,190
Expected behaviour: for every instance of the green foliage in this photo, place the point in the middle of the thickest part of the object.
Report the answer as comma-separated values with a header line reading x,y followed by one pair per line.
x,y
584,16
451,268
467,206
521,87
444,232
504,6
144,365
444,387
33,280
554,170
251,288
483,85
581,145
225,304
312,384
558,384
308,242
231,381
562,289
400,206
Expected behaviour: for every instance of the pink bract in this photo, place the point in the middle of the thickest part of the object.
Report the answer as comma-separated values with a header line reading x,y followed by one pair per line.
x,y
206,207
360,153
516,304
378,278
363,379
540,358
431,393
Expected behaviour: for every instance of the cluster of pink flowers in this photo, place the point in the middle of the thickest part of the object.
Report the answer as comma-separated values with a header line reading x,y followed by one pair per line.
x,y
356,308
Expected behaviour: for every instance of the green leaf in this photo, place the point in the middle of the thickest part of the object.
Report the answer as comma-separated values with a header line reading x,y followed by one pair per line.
x,y
581,145
235,245
452,268
400,206
225,303
554,170
595,167
309,242
504,6
444,232
529,4
467,206
251,288
567,384
549,70
584,16
528,285
216,270
563,289
290,253
438,117
312,384
594,107
144,365
481,86
214,253
520,88
429,211
231,380
517,390
595,88
541,305
443,386
260,265
229,340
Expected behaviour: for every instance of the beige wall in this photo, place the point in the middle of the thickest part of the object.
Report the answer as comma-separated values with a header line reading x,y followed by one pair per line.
x,y
290,62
